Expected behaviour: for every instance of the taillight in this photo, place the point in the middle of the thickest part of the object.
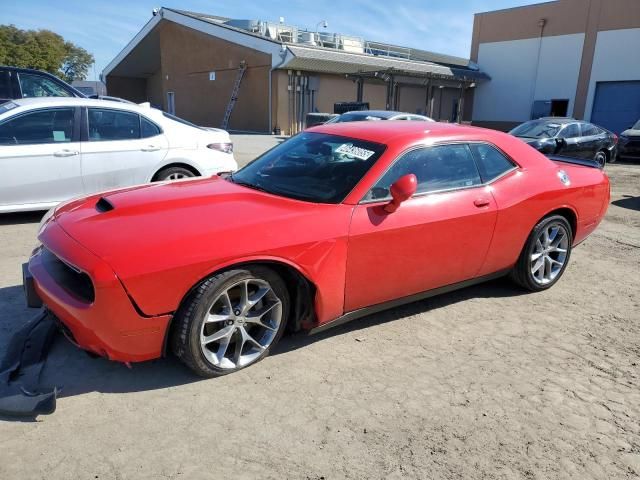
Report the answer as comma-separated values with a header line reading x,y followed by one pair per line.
x,y
615,138
221,147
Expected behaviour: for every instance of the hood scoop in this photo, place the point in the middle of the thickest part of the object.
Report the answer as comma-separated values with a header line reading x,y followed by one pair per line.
x,y
103,205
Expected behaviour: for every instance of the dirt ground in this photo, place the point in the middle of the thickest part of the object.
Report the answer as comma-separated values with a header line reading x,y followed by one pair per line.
x,y
486,382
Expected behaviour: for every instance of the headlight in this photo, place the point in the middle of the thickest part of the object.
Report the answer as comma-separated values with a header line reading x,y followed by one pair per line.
x,y
46,219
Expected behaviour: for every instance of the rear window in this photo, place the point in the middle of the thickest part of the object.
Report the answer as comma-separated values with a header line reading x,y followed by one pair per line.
x,y
491,162
537,129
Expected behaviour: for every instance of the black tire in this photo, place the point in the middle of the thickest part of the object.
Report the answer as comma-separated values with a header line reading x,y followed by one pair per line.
x,y
177,172
189,320
521,273
601,158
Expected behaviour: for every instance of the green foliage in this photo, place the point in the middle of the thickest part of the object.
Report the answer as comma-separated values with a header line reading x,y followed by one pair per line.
x,y
43,50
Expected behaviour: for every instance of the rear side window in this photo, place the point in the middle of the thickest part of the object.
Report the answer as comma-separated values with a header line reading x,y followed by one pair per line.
x,y
437,168
589,130
149,129
39,86
42,126
107,124
570,131
491,162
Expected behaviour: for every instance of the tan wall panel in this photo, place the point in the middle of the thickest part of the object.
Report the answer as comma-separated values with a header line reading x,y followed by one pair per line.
x,y
281,101
154,92
375,94
133,89
412,99
187,57
333,89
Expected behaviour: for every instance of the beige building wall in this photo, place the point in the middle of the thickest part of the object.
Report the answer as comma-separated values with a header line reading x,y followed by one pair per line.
x,y
375,94
412,99
187,57
561,18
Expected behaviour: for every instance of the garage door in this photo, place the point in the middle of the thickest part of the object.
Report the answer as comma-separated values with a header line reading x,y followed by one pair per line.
x,y
617,105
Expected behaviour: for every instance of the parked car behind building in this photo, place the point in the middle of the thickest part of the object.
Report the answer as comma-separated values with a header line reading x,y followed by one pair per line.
x,y
53,149
569,137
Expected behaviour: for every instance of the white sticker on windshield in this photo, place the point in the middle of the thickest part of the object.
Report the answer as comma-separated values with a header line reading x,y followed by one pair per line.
x,y
357,152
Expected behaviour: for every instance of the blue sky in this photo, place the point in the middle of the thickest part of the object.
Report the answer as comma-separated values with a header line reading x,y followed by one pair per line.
x,y
104,27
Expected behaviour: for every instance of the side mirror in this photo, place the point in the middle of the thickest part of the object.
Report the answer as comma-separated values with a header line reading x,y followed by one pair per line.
x,y
561,143
401,190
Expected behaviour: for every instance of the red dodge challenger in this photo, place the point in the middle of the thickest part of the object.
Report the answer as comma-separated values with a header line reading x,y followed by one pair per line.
x,y
335,223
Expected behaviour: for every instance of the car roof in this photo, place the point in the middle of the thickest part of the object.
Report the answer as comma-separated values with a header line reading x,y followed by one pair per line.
x,y
78,102
377,113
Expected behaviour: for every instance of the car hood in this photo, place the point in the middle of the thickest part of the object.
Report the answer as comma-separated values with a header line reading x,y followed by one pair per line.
x,y
163,225
631,133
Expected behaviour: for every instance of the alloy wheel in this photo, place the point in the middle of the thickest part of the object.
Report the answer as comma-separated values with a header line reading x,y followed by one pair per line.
x,y
241,324
549,253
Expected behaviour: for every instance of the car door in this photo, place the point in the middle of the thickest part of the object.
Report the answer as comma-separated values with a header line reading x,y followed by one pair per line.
x,y
570,133
438,237
120,148
589,142
40,157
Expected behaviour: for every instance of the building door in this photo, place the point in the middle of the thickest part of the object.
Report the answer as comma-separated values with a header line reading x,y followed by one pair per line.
x,y
171,103
616,105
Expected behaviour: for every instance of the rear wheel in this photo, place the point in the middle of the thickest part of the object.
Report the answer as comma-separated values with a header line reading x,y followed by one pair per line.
x,y
231,321
545,255
173,173
601,158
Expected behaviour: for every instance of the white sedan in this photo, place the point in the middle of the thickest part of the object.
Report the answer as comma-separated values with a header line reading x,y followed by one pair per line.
x,y
53,149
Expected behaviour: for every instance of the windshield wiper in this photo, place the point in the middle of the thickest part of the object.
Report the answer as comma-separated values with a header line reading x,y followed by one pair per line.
x,y
250,185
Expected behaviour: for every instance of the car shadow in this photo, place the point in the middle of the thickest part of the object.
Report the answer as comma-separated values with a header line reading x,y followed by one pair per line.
x,y
21,218
628,201
76,373
499,288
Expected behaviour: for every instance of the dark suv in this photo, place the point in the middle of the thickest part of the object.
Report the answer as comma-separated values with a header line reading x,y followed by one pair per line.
x,y
25,82
569,137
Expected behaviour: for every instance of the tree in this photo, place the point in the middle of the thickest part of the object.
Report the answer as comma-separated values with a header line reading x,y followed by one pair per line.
x,y
43,50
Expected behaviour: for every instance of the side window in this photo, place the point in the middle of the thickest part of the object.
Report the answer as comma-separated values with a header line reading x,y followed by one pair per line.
x,y
491,162
42,126
107,124
589,130
149,129
437,168
39,86
5,85
570,131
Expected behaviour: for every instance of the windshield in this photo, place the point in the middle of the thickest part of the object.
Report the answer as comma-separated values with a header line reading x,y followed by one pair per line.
x,y
314,167
354,117
536,129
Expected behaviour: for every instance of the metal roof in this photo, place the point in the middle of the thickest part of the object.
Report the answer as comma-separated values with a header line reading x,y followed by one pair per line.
x,y
335,61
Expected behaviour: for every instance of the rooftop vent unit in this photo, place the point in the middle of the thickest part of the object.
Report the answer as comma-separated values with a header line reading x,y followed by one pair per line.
x,y
249,25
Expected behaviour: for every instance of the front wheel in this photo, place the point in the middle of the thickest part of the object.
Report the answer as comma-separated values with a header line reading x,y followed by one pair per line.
x,y
545,255
231,320
173,173
601,158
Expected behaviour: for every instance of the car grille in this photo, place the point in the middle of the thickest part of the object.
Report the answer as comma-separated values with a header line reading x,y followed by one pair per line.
x,y
75,283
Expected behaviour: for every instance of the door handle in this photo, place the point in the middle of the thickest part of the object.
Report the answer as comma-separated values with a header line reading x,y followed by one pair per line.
x,y
150,148
481,202
66,153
